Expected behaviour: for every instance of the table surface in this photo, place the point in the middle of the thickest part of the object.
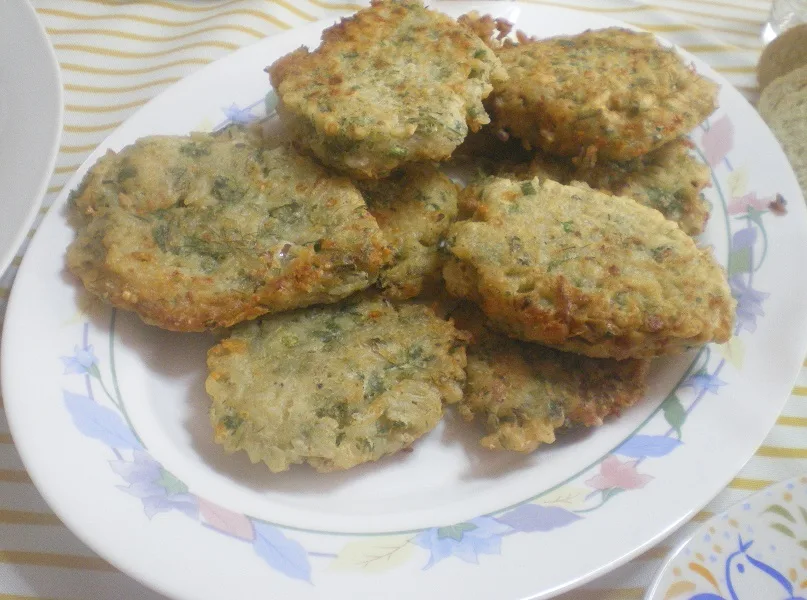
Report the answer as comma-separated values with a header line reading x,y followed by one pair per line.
x,y
115,55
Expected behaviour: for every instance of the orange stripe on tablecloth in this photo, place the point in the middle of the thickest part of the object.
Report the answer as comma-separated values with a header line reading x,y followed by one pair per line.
x,y
100,51
799,390
48,559
91,128
792,421
740,483
336,5
77,149
127,35
142,71
14,476
5,438
21,517
163,22
171,6
781,452
101,109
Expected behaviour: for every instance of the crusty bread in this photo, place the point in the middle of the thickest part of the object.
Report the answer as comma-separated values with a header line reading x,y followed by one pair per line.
x,y
783,105
783,55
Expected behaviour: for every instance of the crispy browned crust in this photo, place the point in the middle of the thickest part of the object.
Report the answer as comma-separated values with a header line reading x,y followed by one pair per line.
x,y
394,83
273,234
613,92
524,392
585,272
668,179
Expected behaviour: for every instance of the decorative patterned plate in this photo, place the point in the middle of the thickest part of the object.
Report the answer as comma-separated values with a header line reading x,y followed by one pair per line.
x,y
110,415
30,121
755,550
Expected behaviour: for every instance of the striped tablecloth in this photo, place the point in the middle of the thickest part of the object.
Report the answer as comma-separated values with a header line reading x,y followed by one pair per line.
x,y
117,54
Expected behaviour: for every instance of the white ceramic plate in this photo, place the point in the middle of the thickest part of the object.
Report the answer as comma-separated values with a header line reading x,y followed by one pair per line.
x,y
109,415
30,121
756,549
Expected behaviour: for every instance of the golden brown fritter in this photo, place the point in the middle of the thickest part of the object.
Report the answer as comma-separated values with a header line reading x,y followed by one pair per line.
x,y
334,386
613,92
414,209
524,392
668,179
200,243
394,83
585,272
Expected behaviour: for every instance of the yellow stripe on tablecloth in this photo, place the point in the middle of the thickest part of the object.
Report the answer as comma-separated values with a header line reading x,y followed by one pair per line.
x,y
22,517
126,35
66,169
90,128
94,89
54,189
792,421
684,11
101,109
169,5
14,476
77,149
5,438
17,260
126,72
100,51
799,390
48,559
781,452
633,593
730,6
336,5
703,516
244,12
736,69
741,483
656,553
594,9
148,20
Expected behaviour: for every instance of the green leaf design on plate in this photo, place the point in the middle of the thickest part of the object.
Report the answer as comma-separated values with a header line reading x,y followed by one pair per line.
x,y
171,484
803,544
674,413
803,513
455,532
740,261
780,510
783,529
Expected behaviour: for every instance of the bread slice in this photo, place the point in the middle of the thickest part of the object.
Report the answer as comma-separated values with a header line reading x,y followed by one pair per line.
x,y
784,54
783,105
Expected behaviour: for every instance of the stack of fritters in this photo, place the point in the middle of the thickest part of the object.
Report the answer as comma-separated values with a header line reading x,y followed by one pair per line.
x,y
565,293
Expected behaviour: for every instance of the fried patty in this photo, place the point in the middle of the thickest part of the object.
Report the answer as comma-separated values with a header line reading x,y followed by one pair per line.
x,y
334,386
524,392
394,83
613,92
204,232
414,209
668,179
585,272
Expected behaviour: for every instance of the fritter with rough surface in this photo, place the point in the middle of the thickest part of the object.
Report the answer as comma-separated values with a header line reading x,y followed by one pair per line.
x,y
585,272
668,179
414,209
334,386
524,392
613,93
204,232
394,83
